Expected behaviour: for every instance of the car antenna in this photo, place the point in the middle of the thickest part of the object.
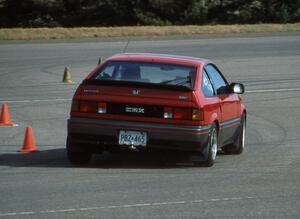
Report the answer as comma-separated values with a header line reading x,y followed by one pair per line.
x,y
125,48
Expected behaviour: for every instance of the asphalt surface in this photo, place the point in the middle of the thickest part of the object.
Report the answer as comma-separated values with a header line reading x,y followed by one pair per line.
x,y
263,182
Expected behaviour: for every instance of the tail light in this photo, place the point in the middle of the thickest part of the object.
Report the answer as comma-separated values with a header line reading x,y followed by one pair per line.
x,y
183,113
88,107
197,114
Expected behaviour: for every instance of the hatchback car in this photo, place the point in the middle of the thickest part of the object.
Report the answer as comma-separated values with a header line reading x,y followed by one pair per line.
x,y
145,102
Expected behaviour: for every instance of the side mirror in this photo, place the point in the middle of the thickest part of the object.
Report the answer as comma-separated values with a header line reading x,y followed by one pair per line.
x,y
237,88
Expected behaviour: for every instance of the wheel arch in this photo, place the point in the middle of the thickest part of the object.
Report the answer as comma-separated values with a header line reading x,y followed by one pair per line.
x,y
243,110
216,122
244,113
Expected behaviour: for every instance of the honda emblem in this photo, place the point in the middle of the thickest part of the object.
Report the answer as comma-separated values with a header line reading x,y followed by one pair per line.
x,y
136,92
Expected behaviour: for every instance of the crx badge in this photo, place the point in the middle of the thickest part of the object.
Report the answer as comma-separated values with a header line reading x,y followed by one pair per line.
x,y
136,92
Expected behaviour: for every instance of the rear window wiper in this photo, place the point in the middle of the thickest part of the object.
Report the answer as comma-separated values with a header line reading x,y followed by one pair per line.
x,y
179,81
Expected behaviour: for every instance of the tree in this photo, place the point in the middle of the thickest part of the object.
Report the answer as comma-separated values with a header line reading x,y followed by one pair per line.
x,y
196,13
29,13
69,13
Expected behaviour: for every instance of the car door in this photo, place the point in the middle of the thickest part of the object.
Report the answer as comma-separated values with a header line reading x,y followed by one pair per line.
x,y
228,102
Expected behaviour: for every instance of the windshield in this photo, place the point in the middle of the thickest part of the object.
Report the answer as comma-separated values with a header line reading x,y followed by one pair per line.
x,y
149,73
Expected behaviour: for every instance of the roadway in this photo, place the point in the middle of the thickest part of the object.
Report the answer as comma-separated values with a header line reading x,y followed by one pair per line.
x,y
263,182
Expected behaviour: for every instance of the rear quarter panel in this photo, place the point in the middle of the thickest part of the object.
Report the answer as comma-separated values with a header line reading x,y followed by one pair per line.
x,y
210,105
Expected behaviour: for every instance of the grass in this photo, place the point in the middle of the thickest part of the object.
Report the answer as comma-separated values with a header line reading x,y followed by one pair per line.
x,y
105,32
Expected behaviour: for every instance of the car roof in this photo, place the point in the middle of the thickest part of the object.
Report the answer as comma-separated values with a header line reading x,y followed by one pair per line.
x,y
162,58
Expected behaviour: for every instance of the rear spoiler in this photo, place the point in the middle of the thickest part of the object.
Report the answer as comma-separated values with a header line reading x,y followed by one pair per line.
x,y
136,84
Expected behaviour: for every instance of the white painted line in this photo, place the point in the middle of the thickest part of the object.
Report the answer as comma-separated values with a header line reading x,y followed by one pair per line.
x,y
143,205
273,90
35,101
168,203
214,200
197,201
123,206
236,198
47,211
67,210
8,214
27,213
88,209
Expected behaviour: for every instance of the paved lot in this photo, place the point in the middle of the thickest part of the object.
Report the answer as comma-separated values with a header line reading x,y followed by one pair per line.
x,y
263,182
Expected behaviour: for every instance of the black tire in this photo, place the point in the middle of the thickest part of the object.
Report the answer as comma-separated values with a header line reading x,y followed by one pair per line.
x,y
75,156
239,144
212,147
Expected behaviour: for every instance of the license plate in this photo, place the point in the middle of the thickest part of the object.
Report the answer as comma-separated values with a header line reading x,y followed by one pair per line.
x,y
132,138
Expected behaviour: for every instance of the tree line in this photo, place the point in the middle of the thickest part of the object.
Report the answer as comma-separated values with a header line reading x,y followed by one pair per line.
x,y
74,13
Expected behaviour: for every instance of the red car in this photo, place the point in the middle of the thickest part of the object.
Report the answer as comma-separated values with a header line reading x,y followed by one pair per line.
x,y
145,102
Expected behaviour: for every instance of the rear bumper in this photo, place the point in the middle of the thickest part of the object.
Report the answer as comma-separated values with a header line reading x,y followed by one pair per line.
x,y
96,134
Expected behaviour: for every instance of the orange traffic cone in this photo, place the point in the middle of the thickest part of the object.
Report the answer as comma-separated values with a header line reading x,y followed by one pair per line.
x,y
5,118
29,142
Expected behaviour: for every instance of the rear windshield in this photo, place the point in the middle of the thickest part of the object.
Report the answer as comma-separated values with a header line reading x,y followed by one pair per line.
x,y
147,73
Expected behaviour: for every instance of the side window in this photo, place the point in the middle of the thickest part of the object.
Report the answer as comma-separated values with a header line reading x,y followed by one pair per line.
x,y
218,80
207,87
